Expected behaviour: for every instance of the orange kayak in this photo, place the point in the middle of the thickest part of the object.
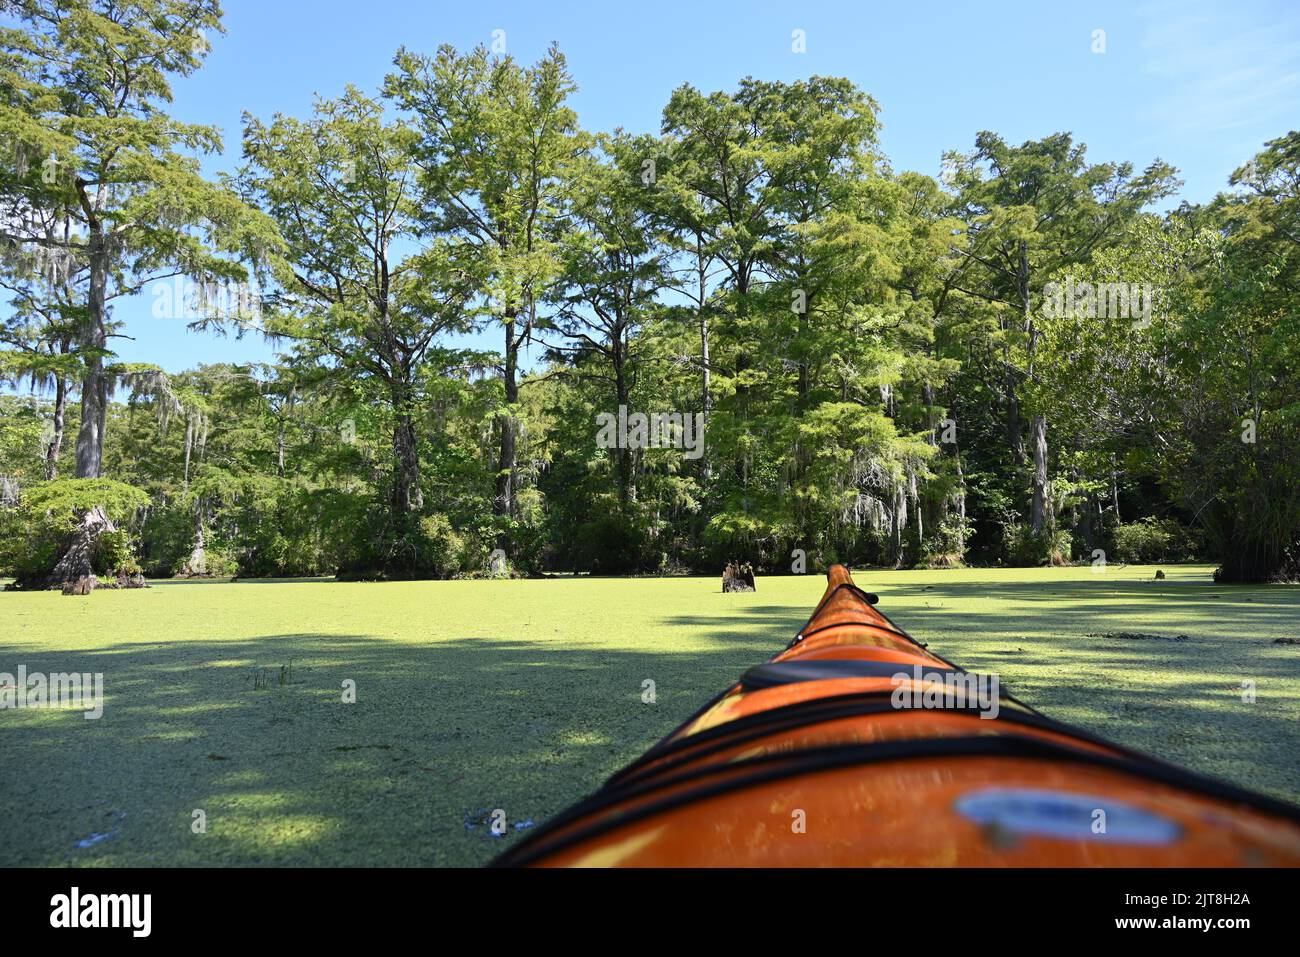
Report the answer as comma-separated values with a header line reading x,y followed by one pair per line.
x,y
857,746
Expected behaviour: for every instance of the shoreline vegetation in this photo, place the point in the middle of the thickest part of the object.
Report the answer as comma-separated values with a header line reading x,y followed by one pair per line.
x,y
743,336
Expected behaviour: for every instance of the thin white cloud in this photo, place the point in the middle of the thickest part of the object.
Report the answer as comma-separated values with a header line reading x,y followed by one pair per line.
x,y
1222,69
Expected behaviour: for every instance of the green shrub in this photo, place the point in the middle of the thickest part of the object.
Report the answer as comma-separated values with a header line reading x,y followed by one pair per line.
x,y
1154,540
614,545
166,537
1023,548
113,554
219,565
442,548
945,547
429,548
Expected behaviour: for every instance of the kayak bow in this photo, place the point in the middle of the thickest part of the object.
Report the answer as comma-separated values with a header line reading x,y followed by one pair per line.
x,y
858,746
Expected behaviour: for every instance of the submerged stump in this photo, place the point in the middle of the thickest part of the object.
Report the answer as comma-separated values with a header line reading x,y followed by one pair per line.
x,y
738,577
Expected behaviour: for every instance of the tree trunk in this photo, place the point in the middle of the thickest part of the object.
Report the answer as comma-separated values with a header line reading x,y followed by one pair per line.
x,y
55,446
622,454
701,276
283,412
740,391
1089,539
1041,519
76,561
898,523
1015,440
407,499
804,382
196,566
706,400
279,449
915,497
960,497
189,446
504,502
94,385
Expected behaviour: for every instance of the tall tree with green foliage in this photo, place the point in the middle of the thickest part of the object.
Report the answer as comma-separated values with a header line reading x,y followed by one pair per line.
x,y
93,153
1033,211
781,184
1253,329
615,269
352,290
38,338
497,141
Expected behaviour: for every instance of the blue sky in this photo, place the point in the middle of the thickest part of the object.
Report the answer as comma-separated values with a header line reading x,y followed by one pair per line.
x,y
1199,85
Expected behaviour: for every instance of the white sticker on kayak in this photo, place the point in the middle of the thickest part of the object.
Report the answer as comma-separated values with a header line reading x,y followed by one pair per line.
x,y
1067,816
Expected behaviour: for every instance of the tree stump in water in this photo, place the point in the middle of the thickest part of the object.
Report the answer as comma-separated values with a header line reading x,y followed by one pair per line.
x,y
738,577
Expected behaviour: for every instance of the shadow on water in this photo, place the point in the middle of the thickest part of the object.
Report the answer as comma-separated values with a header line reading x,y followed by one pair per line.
x,y
287,773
